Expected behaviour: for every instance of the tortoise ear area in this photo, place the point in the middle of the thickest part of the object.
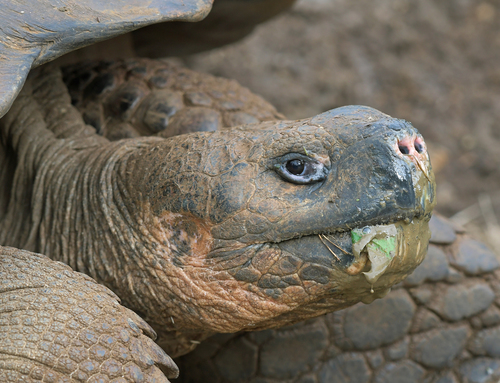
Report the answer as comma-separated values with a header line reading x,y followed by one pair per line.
x,y
39,33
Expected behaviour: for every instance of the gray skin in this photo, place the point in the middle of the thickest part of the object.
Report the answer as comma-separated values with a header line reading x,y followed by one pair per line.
x,y
203,232
59,325
39,172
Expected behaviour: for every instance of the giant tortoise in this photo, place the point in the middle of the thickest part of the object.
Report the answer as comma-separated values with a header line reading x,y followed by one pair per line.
x,y
225,218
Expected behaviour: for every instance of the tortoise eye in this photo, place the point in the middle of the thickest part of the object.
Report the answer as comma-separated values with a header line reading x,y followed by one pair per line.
x,y
300,169
295,167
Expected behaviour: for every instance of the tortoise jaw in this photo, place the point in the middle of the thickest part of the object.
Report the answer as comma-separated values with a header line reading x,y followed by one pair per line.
x,y
377,254
379,245
396,248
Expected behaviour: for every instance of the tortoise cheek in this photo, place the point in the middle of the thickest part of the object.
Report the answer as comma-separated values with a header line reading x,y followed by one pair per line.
x,y
186,239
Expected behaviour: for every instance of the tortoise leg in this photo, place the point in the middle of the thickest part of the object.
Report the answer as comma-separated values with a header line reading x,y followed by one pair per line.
x,y
58,325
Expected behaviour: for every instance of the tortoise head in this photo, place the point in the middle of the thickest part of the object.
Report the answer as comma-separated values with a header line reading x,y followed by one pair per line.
x,y
275,223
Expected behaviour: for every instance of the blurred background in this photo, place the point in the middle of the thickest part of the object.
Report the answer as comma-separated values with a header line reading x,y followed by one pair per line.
x,y
434,63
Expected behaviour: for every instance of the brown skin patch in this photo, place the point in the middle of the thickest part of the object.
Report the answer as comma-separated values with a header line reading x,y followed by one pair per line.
x,y
200,283
183,234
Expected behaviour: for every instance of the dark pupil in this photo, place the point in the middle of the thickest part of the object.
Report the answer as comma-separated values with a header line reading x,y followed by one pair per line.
x,y
296,167
419,147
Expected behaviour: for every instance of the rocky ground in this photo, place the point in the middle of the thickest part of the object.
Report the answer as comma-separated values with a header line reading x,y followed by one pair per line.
x,y
433,63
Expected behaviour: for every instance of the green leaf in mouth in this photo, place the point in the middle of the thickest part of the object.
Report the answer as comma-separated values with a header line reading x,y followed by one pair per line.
x,y
385,245
356,236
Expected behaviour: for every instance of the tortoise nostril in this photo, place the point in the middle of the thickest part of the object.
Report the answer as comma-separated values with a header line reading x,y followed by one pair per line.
x,y
419,146
404,149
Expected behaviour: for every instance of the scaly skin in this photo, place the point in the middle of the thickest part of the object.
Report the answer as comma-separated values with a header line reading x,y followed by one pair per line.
x,y
57,325
201,233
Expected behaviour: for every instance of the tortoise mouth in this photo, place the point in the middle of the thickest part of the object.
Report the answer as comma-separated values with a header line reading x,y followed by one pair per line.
x,y
340,226
369,250
339,240
362,259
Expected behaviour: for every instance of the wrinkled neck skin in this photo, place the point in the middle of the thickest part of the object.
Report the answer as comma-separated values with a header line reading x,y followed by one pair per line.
x,y
200,233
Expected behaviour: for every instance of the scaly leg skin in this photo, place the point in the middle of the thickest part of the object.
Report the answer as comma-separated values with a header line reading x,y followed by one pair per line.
x,y
441,325
58,325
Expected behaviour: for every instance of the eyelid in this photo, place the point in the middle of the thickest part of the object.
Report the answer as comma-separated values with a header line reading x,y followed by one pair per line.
x,y
293,156
320,173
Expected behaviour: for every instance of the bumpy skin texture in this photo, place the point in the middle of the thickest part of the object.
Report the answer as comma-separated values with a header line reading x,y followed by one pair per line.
x,y
57,325
441,325
202,233
46,112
